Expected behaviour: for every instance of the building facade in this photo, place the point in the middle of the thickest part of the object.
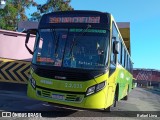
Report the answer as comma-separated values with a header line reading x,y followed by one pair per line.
x,y
147,77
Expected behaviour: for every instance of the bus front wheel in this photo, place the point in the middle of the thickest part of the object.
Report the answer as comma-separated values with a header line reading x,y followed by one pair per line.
x,y
109,109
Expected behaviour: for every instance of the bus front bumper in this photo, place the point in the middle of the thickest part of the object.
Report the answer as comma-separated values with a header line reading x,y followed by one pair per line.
x,y
94,101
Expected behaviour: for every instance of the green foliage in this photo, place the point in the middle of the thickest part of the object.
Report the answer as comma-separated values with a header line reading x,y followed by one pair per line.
x,y
13,12
51,6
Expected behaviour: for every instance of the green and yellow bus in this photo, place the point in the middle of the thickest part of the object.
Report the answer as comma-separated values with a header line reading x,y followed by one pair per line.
x,y
79,60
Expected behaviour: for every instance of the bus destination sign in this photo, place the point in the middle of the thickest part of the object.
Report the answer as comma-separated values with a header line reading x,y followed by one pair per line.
x,y
74,19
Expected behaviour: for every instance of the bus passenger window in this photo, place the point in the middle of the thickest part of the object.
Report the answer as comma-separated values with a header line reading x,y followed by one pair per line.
x,y
119,54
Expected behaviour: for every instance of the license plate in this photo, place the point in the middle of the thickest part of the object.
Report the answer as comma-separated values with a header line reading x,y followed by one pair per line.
x,y
58,97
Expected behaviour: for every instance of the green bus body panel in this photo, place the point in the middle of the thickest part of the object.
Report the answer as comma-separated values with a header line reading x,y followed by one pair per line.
x,y
86,102
99,100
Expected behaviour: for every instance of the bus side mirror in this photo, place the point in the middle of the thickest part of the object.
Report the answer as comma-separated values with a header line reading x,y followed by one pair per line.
x,y
30,31
27,37
116,47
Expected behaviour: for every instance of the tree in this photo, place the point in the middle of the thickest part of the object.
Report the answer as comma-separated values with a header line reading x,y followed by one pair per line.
x,y
50,6
13,12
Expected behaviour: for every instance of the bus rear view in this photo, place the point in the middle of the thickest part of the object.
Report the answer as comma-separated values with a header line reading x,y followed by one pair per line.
x,y
70,64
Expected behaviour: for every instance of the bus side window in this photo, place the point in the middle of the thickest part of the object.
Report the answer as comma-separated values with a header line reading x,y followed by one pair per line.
x,y
126,61
119,55
129,64
113,57
115,37
123,58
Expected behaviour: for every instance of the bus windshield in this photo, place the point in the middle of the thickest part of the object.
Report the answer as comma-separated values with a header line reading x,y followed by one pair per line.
x,y
72,48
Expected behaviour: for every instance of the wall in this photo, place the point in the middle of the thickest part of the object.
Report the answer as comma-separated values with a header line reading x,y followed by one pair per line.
x,y
12,45
14,57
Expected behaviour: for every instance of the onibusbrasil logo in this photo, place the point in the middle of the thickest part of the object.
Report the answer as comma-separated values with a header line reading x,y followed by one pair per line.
x,y
15,114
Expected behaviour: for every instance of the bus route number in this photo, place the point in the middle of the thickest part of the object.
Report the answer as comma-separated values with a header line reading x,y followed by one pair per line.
x,y
73,85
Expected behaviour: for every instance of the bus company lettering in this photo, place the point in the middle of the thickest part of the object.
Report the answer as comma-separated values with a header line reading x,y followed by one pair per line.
x,y
73,85
49,82
40,59
74,20
60,77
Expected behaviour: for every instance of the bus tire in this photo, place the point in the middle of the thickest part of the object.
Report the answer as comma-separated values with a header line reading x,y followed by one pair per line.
x,y
109,109
125,98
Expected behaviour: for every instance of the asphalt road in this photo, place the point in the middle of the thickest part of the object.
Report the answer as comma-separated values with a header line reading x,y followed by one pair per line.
x,y
141,103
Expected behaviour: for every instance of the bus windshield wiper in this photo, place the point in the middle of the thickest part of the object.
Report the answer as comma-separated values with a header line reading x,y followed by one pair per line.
x,y
75,39
56,45
56,41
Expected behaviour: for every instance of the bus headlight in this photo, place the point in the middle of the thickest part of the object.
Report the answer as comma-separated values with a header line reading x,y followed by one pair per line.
x,y
32,81
95,88
100,86
91,90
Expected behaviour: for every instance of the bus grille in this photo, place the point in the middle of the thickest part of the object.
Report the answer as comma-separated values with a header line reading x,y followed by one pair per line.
x,y
73,98
63,74
46,94
68,97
